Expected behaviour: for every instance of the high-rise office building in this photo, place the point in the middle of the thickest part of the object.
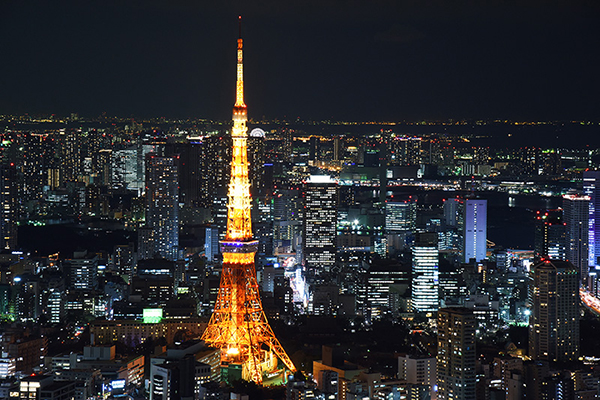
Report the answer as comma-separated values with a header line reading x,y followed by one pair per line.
x,y
417,370
216,166
81,271
320,223
313,150
456,354
189,169
9,202
554,320
475,233
338,147
550,236
211,243
256,161
576,217
425,269
550,163
405,150
454,212
591,188
383,280
530,158
401,215
162,204
70,154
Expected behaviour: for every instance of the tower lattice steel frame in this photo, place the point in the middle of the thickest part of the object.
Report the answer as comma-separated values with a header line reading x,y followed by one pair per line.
x,y
238,325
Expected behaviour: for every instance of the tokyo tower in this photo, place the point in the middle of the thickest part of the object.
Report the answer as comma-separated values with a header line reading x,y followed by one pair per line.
x,y
238,325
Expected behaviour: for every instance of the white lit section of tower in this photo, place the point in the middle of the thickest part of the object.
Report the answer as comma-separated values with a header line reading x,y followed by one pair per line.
x,y
239,224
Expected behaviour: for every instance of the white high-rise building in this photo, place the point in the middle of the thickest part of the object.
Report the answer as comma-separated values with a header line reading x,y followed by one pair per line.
x,y
420,370
475,235
400,216
425,270
320,222
127,167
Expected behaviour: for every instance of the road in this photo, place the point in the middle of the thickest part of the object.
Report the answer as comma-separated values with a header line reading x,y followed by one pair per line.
x,y
593,303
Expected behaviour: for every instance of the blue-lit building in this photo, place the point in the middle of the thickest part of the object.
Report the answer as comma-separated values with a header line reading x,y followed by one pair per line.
x,y
475,245
591,188
211,243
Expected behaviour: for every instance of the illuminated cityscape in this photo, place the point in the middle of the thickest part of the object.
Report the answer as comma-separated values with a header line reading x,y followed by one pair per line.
x,y
407,210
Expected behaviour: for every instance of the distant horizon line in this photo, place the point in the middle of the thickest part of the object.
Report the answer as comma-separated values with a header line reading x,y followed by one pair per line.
x,y
76,117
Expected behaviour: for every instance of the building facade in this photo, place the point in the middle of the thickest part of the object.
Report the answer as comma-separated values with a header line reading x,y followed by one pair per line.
x,y
591,188
425,271
162,204
456,354
554,320
320,223
475,236
576,215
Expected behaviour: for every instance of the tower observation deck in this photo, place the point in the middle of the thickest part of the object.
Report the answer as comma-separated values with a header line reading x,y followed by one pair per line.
x,y
238,325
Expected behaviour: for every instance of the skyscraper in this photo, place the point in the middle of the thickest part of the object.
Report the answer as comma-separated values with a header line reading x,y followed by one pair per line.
x,y
189,169
313,151
591,187
9,202
554,320
405,150
425,269
256,159
576,216
475,236
454,212
456,354
162,204
320,223
400,215
238,325
550,236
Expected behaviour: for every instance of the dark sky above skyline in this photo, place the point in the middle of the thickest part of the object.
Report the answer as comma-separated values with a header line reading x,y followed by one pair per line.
x,y
354,60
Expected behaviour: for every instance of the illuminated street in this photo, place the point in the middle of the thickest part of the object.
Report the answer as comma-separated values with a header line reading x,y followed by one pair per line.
x,y
593,303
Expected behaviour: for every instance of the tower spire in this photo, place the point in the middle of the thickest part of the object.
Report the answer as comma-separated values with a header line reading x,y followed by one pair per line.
x,y
238,325
239,88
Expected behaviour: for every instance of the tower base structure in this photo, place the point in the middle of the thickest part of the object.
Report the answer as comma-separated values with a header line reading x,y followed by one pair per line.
x,y
238,325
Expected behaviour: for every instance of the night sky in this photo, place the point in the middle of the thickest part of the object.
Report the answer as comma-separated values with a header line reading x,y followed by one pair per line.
x,y
354,60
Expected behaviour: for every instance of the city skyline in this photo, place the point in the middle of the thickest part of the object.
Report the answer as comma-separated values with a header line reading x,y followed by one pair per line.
x,y
187,258
392,61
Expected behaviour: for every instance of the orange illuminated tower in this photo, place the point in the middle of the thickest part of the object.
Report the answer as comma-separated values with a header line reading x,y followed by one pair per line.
x,y
238,325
